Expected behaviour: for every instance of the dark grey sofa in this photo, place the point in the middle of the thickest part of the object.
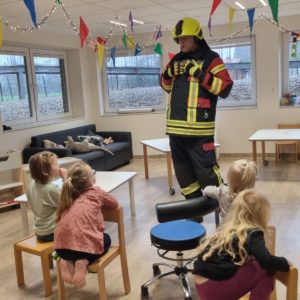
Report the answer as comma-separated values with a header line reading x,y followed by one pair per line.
x,y
98,160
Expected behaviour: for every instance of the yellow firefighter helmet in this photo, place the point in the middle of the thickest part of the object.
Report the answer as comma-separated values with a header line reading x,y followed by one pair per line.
x,y
185,27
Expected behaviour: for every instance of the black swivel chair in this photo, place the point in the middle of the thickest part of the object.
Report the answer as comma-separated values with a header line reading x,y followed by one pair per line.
x,y
176,233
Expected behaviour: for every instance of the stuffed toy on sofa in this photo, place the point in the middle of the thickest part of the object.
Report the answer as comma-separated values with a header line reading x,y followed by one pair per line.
x,y
84,146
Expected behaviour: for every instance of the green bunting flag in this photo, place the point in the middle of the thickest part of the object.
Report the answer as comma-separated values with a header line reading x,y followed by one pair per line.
x,y
274,8
124,40
58,1
157,49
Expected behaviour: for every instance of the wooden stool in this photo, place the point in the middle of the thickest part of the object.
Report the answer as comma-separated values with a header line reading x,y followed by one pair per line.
x,y
33,246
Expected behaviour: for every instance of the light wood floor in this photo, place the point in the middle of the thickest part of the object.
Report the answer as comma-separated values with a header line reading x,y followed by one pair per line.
x,y
280,182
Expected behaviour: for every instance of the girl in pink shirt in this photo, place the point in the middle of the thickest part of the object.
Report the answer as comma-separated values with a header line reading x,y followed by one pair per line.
x,y
79,237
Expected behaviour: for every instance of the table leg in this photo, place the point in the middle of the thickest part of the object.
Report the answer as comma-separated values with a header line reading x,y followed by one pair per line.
x,y
263,150
254,151
131,196
145,161
24,215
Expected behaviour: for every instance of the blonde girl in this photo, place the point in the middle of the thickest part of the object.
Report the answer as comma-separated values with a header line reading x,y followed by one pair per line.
x,y
241,175
43,194
79,235
235,260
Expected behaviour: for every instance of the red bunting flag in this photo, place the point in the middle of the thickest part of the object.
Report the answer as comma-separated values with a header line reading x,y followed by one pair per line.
x,y
213,8
171,55
101,40
84,32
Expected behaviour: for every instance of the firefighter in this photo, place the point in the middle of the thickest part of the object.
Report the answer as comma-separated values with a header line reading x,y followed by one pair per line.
x,y
194,78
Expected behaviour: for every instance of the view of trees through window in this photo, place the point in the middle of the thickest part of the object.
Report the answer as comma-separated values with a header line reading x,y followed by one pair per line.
x,y
15,95
133,82
238,61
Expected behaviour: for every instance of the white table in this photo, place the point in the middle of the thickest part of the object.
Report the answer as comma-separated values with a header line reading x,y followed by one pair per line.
x,y
265,135
161,145
108,181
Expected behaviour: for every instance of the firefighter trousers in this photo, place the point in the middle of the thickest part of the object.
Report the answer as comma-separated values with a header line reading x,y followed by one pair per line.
x,y
195,164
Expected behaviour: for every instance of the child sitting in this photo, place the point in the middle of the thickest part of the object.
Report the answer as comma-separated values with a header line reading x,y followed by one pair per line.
x,y
79,235
43,195
241,175
235,260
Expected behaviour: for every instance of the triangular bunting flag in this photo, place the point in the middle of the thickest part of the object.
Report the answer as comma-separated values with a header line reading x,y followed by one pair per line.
x,y
113,55
158,34
101,40
231,15
251,13
100,52
213,8
58,1
130,19
137,50
1,30
130,41
171,55
31,7
84,32
157,49
274,8
124,40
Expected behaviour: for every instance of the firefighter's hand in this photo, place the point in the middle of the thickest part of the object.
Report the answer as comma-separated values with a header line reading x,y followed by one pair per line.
x,y
172,70
193,69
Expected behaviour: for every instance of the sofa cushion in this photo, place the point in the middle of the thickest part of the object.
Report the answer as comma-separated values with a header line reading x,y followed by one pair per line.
x,y
94,155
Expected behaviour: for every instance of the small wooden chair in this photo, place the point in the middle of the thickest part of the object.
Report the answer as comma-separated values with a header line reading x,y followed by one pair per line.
x,y
110,215
33,246
280,144
289,279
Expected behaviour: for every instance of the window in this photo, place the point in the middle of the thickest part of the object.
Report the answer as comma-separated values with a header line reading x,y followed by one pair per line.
x,y
291,74
33,85
238,57
133,82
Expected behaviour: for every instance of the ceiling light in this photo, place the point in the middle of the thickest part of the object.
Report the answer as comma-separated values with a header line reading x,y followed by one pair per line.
x,y
263,2
240,5
118,23
137,21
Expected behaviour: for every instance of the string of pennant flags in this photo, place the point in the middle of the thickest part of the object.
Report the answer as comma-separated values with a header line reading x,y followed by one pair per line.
x,y
100,44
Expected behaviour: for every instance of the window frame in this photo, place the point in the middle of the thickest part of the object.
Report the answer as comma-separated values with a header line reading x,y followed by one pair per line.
x,y
285,68
104,107
243,40
29,53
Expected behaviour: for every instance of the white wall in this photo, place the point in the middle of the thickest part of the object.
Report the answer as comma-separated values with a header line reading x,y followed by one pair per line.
x,y
233,126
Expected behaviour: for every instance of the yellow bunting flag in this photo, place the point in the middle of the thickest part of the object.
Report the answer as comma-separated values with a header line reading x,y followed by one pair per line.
x,y
1,26
231,15
100,52
130,41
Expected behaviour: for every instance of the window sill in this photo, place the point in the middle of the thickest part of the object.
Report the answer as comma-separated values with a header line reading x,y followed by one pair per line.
x,y
133,112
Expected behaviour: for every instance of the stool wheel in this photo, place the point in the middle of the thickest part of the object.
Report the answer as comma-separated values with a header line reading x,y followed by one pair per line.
x,y
156,270
171,191
144,291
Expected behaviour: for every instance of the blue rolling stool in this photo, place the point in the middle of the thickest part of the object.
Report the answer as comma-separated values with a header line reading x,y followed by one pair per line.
x,y
176,234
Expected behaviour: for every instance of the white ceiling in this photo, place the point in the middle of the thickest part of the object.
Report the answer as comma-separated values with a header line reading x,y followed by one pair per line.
x,y
97,13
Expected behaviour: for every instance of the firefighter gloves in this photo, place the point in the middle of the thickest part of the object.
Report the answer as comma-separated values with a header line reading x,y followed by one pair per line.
x,y
193,69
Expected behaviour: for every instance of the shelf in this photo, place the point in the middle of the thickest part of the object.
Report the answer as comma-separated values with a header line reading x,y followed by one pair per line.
x,y
10,184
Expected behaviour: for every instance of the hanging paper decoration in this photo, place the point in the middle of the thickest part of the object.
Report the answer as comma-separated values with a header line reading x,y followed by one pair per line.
x,y
31,7
58,1
159,33
130,41
294,45
1,35
101,40
231,15
137,50
113,55
157,49
100,52
251,13
213,8
124,40
274,8
171,55
130,19
84,32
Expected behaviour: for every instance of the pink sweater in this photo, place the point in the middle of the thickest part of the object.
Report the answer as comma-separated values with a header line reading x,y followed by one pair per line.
x,y
81,226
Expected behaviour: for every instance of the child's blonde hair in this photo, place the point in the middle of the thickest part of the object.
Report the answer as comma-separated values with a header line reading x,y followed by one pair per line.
x,y
249,210
40,166
241,175
79,178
